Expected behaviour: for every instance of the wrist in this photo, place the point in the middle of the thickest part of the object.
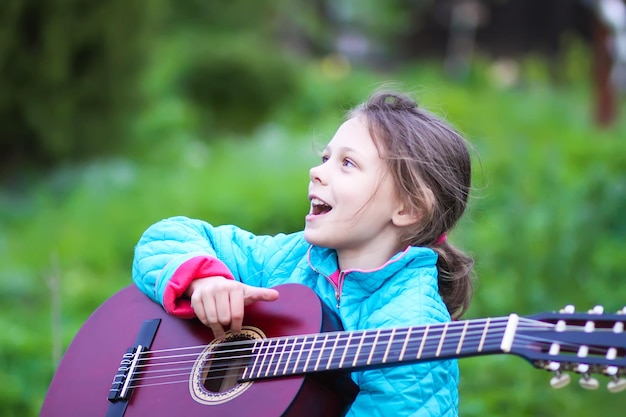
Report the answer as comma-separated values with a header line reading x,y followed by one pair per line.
x,y
198,282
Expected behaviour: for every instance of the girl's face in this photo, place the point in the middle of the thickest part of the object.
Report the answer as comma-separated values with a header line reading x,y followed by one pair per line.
x,y
354,207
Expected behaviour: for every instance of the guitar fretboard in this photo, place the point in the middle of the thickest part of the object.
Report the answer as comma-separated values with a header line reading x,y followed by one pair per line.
x,y
297,355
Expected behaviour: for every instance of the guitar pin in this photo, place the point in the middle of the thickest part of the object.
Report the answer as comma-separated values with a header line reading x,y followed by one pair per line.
x,y
586,381
559,380
616,384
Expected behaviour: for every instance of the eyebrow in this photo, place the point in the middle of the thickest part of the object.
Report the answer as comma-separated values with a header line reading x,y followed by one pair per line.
x,y
343,149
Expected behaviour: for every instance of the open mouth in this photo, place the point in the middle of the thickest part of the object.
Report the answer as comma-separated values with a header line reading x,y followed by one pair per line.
x,y
319,207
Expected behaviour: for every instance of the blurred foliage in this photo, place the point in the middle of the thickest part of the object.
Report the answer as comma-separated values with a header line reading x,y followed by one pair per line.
x,y
545,224
63,58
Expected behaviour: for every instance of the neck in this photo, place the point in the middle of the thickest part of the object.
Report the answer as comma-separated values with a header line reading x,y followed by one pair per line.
x,y
365,260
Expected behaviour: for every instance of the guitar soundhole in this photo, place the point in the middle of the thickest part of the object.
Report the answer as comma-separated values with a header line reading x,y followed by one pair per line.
x,y
226,364
216,371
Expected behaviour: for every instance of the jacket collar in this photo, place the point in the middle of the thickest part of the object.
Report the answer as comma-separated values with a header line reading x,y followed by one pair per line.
x,y
324,261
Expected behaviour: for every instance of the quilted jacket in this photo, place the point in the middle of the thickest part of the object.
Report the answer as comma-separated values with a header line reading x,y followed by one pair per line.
x,y
401,293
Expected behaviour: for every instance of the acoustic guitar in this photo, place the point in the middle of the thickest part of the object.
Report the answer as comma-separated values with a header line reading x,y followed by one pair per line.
x,y
130,358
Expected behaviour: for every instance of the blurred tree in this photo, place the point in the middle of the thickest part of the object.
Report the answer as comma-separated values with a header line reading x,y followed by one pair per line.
x,y
231,66
69,76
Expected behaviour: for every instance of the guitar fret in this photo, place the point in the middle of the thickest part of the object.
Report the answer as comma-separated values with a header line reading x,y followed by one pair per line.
x,y
369,358
332,352
250,368
482,339
282,351
288,361
271,351
389,343
463,332
441,339
419,352
358,350
308,358
406,342
345,350
319,357
297,361
262,356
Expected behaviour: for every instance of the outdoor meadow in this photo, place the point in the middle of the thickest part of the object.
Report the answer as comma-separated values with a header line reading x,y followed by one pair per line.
x,y
223,126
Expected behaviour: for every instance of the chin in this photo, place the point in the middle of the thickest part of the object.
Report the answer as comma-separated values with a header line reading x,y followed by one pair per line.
x,y
313,239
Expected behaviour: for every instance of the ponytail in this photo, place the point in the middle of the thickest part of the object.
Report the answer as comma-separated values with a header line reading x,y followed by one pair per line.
x,y
455,271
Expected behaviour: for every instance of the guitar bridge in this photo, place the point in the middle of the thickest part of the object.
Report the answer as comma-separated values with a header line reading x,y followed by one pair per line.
x,y
121,388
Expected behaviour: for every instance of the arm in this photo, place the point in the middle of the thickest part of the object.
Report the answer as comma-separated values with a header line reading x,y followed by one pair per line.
x,y
174,252
169,256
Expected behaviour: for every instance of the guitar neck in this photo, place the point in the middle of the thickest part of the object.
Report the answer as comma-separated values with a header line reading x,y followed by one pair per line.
x,y
352,350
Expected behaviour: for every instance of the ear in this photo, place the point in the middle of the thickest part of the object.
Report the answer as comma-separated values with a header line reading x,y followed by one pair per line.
x,y
404,216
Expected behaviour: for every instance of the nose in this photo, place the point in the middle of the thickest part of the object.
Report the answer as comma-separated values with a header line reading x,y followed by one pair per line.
x,y
315,174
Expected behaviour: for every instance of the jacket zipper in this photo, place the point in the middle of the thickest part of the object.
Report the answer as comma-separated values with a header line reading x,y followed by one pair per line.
x,y
339,287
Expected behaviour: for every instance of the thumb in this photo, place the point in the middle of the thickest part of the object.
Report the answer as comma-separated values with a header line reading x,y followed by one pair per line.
x,y
252,294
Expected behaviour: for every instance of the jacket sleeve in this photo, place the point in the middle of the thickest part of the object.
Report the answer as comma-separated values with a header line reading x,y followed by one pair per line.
x,y
175,251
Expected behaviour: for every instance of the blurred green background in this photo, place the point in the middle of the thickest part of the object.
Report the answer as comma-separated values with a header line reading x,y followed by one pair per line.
x,y
116,114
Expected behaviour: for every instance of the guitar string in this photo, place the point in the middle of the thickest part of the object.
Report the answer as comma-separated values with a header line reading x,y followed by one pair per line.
x,y
456,328
310,345
314,348
186,374
140,382
245,345
280,363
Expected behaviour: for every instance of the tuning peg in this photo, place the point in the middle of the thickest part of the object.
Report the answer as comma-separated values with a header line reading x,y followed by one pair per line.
x,y
559,380
616,384
597,310
588,382
568,309
622,311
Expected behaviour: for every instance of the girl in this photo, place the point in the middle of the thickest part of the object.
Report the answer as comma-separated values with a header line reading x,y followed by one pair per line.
x,y
391,184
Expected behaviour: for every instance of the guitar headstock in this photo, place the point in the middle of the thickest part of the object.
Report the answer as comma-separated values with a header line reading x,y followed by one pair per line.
x,y
589,343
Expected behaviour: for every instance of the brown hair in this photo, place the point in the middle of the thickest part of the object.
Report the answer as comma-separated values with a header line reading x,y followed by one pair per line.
x,y
430,164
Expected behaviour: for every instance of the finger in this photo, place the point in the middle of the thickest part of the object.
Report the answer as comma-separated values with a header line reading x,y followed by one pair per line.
x,y
253,294
198,308
222,308
206,313
210,310
217,329
236,311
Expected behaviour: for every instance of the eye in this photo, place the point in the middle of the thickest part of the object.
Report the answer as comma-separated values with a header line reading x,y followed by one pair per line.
x,y
348,163
324,158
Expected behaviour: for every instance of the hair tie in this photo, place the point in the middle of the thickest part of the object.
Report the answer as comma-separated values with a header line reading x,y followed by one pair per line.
x,y
441,239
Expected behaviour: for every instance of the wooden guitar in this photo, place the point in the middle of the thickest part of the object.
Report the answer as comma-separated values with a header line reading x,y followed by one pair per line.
x,y
131,358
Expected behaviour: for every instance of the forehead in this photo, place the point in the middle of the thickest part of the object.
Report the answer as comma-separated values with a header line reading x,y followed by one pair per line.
x,y
354,134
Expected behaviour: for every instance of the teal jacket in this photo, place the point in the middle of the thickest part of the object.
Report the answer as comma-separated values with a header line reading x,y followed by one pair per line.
x,y
401,293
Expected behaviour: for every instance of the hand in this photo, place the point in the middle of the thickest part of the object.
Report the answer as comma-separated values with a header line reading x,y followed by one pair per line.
x,y
219,302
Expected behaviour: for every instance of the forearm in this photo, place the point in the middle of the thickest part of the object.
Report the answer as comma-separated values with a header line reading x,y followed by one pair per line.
x,y
171,254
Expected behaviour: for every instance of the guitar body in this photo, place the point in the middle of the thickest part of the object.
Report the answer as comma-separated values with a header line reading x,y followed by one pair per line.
x,y
83,379
259,373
